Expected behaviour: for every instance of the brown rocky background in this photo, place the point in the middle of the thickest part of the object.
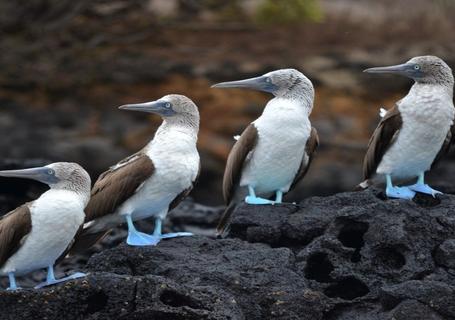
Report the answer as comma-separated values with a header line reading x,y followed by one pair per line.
x,y
66,65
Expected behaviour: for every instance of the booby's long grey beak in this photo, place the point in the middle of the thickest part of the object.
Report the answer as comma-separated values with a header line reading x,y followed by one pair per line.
x,y
163,108
406,69
41,174
261,83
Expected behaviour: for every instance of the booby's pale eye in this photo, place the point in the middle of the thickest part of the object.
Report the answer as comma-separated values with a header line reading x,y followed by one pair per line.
x,y
268,80
167,105
50,171
416,67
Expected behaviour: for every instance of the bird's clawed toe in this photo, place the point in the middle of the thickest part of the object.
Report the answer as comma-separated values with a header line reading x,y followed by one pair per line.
x,y
46,283
400,193
136,238
424,188
176,234
256,200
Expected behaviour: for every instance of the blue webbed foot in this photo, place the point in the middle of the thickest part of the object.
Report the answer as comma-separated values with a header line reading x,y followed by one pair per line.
x,y
255,200
50,282
136,238
424,188
176,234
400,193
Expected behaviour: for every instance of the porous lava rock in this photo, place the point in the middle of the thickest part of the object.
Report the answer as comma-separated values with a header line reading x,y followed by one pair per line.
x,y
348,256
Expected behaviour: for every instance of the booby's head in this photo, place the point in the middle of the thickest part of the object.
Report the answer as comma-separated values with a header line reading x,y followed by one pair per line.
x,y
423,69
58,175
280,83
170,107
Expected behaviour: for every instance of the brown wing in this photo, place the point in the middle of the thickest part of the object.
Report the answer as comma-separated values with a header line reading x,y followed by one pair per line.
x,y
235,161
381,140
13,228
116,185
182,195
445,146
311,145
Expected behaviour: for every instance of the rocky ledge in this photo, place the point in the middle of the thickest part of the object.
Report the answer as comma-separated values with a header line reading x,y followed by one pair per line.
x,y
347,256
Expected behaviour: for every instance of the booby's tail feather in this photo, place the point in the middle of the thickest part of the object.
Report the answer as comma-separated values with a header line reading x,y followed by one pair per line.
x,y
363,185
85,240
225,222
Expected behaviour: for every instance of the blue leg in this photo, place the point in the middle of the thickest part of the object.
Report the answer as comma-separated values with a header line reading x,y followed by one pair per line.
x,y
397,192
157,231
12,282
420,186
252,199
136,238
279,197
50,278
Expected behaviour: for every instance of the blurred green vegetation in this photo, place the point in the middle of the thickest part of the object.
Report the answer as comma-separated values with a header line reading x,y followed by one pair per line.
x,y
264,12
289,11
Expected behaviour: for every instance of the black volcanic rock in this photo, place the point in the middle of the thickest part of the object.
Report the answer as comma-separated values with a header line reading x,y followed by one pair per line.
x,y
348,256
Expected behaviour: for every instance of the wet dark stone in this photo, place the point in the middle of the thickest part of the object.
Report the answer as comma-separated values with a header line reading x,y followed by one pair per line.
x,y
348,256
445,254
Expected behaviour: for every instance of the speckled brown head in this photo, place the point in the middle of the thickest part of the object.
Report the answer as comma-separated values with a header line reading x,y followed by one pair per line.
x,y
170,107
422,69
58,175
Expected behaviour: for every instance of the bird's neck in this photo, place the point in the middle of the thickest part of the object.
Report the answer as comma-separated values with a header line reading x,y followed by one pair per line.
x,y
304,102
82,193
301,94
443,88
281,109
79,185
172,126
187,123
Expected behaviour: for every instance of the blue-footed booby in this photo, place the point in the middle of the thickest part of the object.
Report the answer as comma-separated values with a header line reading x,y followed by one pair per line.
x,y
413,135
152,181
275,151
36,234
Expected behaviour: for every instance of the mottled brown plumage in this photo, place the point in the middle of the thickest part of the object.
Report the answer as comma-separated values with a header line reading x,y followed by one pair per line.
x,y
235,162
381,140
450,138
310,147
182,195
233,172
110,191
14,226
116,185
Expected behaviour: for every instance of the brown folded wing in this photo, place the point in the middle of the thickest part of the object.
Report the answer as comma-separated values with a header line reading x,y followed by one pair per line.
x,y
382,139
311,145
182,195
445,146
236,159
13,228
116,185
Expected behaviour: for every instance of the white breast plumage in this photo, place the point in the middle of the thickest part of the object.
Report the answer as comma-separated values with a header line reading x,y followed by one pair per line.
x,y
283,131
176,162
56,217
427,116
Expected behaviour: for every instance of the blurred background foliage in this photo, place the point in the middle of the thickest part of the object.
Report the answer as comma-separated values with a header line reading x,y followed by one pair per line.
x,y
65,66
291,11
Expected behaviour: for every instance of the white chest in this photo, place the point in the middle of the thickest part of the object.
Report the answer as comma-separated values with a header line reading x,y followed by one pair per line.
x,y
282,135
56,217
176,162
427,117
